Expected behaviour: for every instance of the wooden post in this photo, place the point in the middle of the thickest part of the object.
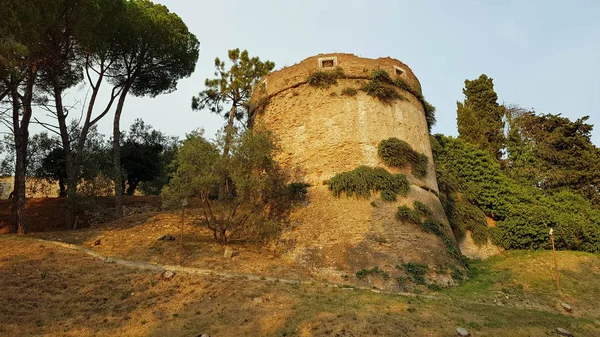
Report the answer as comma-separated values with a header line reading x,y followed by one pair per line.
x,y
183,204
555,262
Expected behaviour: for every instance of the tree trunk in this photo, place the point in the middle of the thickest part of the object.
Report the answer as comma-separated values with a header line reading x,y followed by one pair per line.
x,y
229,129
117,153
66,142
21,136
61,187
19,223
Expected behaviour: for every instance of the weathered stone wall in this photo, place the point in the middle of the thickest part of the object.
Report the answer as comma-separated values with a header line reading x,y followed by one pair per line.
x,y
321,133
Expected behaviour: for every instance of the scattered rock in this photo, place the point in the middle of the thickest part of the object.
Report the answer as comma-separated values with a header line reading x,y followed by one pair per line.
x,y
462,332
167,275
564,332
167,237
228,253
566,306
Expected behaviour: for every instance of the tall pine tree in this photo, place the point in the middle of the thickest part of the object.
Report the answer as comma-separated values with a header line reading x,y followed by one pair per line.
x,y
480,117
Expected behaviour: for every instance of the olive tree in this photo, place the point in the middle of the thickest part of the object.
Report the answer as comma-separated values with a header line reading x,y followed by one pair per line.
x,y
260,199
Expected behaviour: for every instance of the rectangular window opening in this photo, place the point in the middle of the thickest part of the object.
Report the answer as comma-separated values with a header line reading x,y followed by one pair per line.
x,y
327,64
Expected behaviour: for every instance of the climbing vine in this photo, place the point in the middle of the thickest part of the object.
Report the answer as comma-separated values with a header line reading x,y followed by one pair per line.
x,y
397,153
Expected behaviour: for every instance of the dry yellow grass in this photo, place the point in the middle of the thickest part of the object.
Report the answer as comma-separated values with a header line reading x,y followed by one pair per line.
x,y
50,291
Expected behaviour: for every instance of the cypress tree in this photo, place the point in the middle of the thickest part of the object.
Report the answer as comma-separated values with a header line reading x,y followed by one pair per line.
x,y
479,117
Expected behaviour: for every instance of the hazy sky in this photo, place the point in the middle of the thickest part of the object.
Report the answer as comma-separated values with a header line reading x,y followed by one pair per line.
x,y
541,54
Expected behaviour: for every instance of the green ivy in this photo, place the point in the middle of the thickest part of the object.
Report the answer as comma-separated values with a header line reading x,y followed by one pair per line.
x,y
405,214
365,180
422,208
397,153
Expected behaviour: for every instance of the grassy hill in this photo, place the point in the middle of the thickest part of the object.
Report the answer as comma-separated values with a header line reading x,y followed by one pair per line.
x,y
49,290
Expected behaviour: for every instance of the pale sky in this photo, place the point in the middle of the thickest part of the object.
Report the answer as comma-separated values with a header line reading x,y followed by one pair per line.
x,y
541,54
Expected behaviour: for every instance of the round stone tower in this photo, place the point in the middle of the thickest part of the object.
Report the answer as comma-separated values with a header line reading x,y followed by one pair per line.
x,y
327,130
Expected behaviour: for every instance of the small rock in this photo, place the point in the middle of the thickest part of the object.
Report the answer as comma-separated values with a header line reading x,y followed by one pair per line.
x,y
167,237
97,242
228,253
203,335
462,332
167,275
566,306
564,332
257,300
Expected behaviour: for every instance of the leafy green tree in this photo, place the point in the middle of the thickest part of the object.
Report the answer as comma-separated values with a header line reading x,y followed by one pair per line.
x,y
21,55
480,117
472,182
232,87
554,153
83,37
156,50
145,154
259,200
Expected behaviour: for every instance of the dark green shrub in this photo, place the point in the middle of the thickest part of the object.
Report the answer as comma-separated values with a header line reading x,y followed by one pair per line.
x,y
375,272
325,79
416,271
349,92
405,214
298,191
422,208
397,153
365,180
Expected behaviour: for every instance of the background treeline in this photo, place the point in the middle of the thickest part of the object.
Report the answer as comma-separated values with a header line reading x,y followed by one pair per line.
x,y
124,47
527,171
146,157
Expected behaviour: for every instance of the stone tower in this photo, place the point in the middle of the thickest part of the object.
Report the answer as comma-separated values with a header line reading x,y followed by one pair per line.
x,y
324,131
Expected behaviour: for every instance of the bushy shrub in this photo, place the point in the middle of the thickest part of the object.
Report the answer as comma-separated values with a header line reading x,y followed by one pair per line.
x,y
397,153
365,180
325,79
405,214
